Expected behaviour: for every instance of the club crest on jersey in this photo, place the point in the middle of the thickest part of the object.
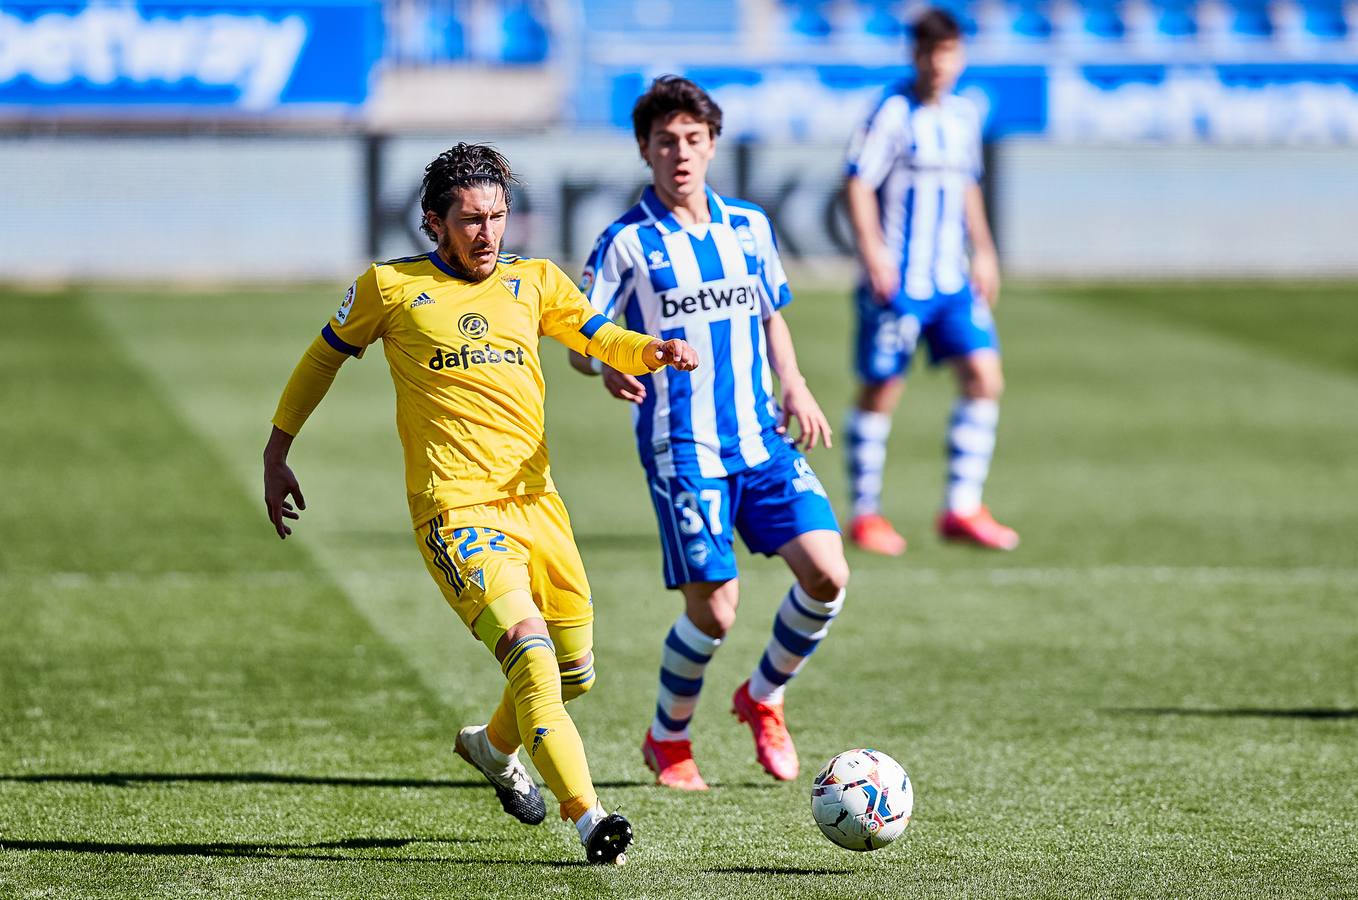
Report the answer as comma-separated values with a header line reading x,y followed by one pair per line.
x,y
658,260
747,241
343,314
422,300
512,283
473,325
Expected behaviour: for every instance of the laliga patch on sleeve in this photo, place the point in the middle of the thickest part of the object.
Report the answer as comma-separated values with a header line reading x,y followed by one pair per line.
x,y
348,304
587,280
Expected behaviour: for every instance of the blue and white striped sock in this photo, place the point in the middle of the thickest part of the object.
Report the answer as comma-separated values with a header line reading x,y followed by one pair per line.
x,y
684,657
802,622
868,433
971,444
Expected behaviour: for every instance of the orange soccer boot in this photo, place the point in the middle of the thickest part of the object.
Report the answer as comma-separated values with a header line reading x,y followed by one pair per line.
x,y
978,528
772,744
872,532
672,762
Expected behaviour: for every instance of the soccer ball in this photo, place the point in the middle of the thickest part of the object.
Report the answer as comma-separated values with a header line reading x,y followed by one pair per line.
x,y
862,799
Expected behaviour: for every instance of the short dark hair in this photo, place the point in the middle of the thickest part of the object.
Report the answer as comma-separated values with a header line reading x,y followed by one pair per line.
x,y
668,96
933,27
461,166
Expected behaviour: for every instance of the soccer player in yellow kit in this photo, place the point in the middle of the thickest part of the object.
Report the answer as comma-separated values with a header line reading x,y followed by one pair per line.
x,y
460,329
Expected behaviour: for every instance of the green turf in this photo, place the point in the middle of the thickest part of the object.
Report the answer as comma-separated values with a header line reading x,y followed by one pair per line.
x,y
1155,696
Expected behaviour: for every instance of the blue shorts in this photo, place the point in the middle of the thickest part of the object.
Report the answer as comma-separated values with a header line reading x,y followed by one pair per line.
x,y
952,324
768,505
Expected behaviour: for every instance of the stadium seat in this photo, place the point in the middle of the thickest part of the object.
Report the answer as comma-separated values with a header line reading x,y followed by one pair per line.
x,y
526,40
1324,18
882,19
1103,19
1176,18
1032,19
809,18
1251,19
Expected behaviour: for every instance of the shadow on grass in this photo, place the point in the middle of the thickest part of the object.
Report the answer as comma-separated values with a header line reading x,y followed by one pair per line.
x,y
1243,712
773,870
229,848
129,779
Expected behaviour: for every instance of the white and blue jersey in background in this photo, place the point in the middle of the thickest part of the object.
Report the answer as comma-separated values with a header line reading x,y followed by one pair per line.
x,y
921,159
715,463
711,285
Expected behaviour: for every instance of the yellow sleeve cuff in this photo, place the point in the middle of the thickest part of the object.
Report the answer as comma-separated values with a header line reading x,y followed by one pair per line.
x,y
623,350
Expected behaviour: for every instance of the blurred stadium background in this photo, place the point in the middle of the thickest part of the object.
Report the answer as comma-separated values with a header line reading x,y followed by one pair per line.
x,y
1142,138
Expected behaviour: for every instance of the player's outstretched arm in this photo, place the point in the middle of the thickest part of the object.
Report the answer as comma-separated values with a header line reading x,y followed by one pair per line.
x,y
306,388
797,401
280,483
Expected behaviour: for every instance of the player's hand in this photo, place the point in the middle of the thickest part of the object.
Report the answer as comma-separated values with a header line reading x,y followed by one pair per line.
x,y
799,404
279,484
623,386
884,278
676,354
985,275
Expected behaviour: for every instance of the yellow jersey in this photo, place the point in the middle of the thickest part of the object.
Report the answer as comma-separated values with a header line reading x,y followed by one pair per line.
x,y
464,360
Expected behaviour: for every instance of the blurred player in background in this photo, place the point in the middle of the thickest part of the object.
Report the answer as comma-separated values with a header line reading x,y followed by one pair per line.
x,y
687,263
460,329
915,202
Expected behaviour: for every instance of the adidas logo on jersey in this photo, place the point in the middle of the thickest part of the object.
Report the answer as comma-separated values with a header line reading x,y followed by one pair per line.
x,y
422,300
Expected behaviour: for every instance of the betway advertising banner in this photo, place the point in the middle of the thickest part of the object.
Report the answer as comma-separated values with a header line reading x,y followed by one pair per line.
x,y
1314,104
254,57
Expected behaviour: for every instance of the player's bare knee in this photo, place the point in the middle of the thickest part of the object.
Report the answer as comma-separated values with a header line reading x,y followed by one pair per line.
x,y
827,579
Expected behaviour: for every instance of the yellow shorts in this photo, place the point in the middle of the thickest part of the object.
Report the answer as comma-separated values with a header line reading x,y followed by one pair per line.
x,y
477,554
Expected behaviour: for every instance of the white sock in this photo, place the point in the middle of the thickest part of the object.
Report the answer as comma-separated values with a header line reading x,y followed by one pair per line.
x,y
798,628
683,659
586,823
491,751
868,433
971,444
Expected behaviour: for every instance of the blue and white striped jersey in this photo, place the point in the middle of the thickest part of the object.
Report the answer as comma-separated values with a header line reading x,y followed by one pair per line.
x,y
921,159
712,285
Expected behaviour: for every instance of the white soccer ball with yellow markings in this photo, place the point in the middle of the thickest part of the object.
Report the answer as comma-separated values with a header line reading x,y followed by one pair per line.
x,y
862,799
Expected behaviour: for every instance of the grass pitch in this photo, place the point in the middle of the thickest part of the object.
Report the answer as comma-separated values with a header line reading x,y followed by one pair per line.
x,y
1156,695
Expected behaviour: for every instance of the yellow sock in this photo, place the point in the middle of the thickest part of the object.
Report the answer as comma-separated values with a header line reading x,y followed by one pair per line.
x,y
546,730
503,729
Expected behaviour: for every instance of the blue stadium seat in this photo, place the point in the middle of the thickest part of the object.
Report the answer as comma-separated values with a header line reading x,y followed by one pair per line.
x,y
1324,18
1251,19
526,40
1103,19
809,18
1031,19
633,20
1176,18
882,18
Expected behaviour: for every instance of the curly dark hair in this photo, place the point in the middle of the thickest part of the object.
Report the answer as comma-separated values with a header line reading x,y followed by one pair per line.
x,y
462,166
933,27
669,95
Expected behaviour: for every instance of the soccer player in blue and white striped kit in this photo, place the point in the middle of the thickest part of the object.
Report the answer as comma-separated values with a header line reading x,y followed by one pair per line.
x,y
687,262
915,203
